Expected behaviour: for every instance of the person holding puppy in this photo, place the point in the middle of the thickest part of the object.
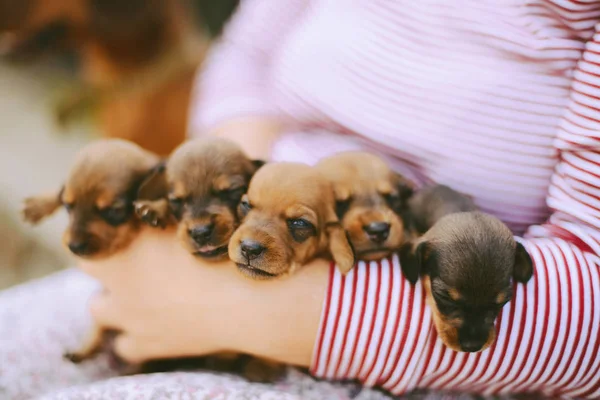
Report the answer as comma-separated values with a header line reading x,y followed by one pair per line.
x,y
496,100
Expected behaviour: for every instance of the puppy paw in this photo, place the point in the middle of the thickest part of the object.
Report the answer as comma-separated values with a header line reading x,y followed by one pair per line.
x,y
75,358
37,208
154,213
262,371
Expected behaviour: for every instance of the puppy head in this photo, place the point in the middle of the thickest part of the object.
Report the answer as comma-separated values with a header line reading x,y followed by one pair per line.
x,y
204,180
289,218
370,198
468,262
98,195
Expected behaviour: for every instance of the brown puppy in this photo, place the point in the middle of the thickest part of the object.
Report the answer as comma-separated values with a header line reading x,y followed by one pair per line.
x,y
289,219
199,190
370,199
98,195
468,261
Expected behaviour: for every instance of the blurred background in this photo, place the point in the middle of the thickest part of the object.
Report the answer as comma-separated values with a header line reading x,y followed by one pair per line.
x,y
75,70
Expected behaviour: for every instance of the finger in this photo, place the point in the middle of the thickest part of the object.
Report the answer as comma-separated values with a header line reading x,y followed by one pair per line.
x,y
106,312
130,350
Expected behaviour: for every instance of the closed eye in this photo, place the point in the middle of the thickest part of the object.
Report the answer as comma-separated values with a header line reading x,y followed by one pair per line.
x,y
232,194
116,214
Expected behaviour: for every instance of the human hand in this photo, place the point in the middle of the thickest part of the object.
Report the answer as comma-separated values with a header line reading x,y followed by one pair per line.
x,y
169,303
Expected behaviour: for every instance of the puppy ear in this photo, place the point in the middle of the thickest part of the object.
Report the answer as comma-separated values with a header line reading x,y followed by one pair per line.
x,y
411,260
154,186
257,164
523,268
405,188
340,247
39,207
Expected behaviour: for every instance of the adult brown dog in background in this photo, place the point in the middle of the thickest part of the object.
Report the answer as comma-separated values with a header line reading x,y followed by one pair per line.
x,y
138,60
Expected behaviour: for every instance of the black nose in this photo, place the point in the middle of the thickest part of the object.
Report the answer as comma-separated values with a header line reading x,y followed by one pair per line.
x,y
471,346
201,234
251,249
80,247
378,232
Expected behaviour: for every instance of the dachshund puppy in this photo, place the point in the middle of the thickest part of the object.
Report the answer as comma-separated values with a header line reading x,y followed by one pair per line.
x,y
199,189
370,200
288,219
468,261
98,195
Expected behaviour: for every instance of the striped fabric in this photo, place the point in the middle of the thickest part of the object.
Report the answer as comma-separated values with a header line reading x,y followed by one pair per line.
x,y
499,99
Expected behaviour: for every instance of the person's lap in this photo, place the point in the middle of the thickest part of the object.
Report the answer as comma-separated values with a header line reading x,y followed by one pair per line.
x,y
42,319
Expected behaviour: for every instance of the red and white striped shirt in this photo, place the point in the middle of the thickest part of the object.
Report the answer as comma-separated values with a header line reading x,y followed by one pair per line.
x,y
499,99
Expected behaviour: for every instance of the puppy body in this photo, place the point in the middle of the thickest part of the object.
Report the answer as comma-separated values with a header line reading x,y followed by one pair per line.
x,y
468,261
98,194
370,200
289,219
199,190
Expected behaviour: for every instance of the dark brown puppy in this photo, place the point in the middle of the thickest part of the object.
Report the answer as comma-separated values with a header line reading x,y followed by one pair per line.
x,y
98,195
468,261
370,199
199,189
289,218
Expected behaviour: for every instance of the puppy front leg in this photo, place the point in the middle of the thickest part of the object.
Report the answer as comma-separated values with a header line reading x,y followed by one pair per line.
x,y
91,347
155,213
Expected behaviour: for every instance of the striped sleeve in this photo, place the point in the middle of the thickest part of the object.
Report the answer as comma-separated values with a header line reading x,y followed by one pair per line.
x,y
376,328
233,81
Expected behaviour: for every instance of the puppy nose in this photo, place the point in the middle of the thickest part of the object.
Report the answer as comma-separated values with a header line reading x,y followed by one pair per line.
x,y
378,232
251,249
471,345
201,234
80,247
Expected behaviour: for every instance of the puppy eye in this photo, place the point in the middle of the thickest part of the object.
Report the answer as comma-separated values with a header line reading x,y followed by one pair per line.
x,y
301,229
115,215
244,208
233,195
342,206
68,206
176,206
393,201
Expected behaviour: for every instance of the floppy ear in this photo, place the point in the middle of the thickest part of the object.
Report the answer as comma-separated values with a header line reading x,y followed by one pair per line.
x,y
523,268
39,207
411,260
340,247
154,185
257,164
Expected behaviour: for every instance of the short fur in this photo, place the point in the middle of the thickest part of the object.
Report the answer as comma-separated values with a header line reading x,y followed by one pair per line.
x,y
98,194
199,190
370,201
468,261
289,219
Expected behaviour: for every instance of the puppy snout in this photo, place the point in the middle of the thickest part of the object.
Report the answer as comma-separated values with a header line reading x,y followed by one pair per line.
x,y
377,232
472,345
80,247
251,249
202,234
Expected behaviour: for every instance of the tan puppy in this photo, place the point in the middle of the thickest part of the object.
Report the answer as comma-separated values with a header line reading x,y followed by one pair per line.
x,y
289,219
199,189
98,195
370,200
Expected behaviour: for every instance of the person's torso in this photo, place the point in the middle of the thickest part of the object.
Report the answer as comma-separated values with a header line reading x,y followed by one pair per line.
x,y
469,92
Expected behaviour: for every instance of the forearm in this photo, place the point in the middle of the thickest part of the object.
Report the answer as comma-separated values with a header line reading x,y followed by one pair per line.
x,y
255,135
